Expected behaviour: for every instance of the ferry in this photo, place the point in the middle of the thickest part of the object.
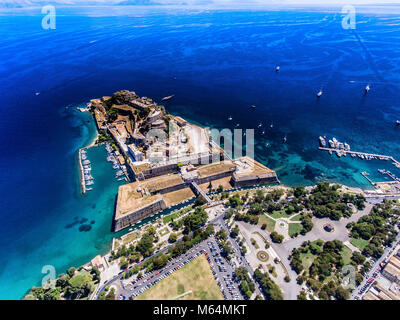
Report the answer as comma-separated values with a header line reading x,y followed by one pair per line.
x,y
168,98
319,94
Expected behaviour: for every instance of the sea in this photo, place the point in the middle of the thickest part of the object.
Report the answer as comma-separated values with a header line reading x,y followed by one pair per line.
x,y
217,63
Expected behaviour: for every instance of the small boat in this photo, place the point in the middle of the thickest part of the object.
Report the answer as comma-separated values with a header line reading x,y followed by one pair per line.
x,y
168,98
253,106
271,126
230,118
284,139
319,94
238,124
37,93
322,141
260,125
278,68
397,122
367,88
263,132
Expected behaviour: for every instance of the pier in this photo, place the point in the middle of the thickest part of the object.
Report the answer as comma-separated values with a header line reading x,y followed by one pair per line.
x,y
82,176
365,175
362,155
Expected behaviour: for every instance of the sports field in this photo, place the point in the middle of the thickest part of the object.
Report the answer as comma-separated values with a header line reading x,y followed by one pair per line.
x,y
195,279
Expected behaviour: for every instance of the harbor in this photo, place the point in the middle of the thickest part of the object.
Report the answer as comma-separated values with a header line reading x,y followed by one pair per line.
x,y
118,162
342,149
85,171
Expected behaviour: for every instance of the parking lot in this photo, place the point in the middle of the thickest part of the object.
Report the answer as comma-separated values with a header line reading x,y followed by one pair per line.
x,y
222,270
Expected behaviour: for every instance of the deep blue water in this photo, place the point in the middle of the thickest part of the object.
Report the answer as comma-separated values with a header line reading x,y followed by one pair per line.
x,y
223,63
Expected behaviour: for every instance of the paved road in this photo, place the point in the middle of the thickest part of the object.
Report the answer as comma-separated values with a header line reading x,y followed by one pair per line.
x,y
220,221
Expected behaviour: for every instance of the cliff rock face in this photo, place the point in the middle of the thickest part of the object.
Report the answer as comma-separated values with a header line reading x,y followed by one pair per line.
x,y
124,97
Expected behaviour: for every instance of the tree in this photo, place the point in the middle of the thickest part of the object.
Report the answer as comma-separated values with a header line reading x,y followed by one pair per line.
x,y
172,237
302,295
145,245
276,237
71,272
96,273
220,188
199,201
195,219
264,226
110,295
221,234
235,232
160,261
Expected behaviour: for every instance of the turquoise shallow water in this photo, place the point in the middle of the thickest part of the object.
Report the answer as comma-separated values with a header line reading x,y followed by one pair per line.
x,y
223,62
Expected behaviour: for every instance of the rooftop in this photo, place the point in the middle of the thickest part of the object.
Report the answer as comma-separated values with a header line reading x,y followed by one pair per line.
x,y
247,168
131,198
215,168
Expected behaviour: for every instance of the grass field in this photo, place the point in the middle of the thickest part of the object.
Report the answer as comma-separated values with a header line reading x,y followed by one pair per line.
x,y
307,259
268,221
167,219
359,243
296,217
346,254
280,214
195,276
294,228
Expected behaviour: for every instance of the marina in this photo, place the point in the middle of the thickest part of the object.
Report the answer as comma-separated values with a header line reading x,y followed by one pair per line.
x,y
114,157
342,149
85,170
